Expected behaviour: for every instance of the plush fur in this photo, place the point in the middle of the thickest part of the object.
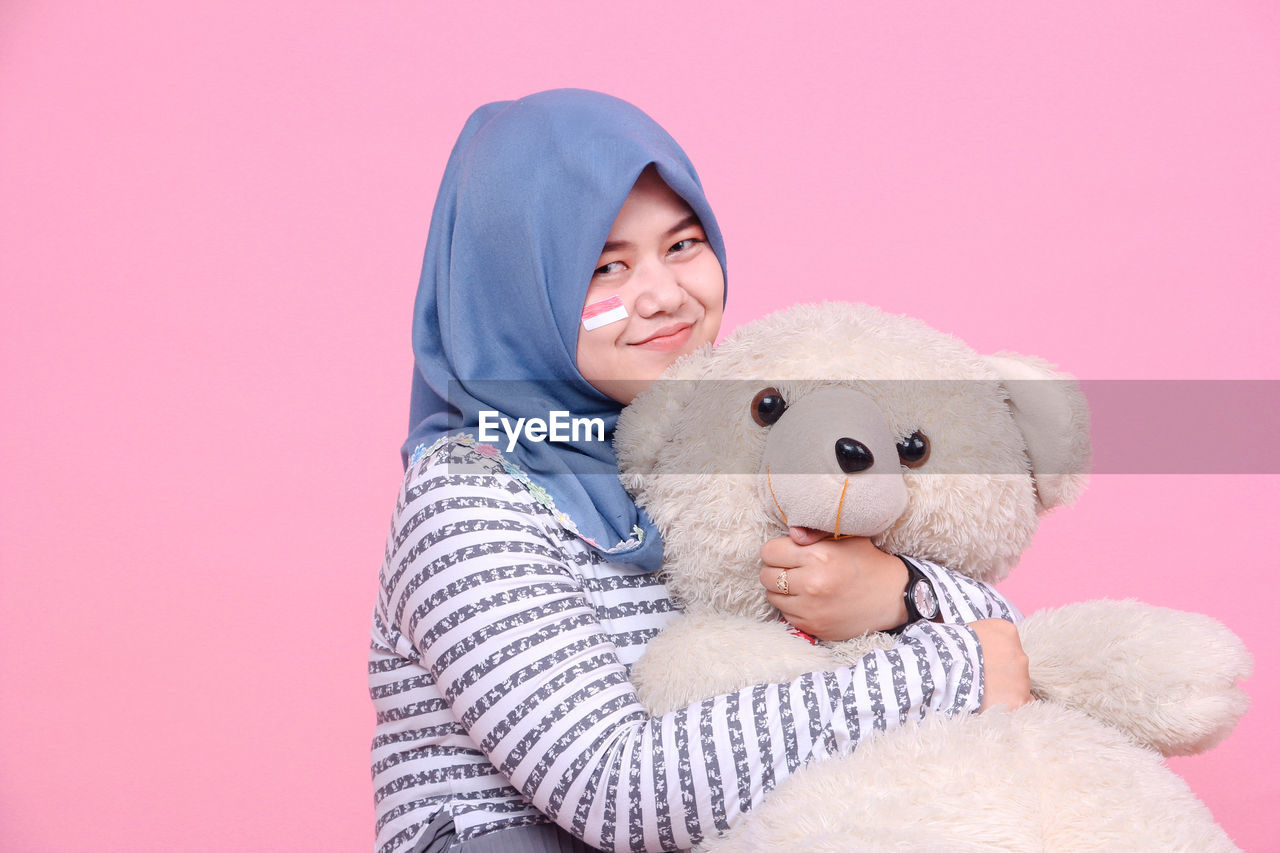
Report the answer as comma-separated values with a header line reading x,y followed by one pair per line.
x,y
1118,683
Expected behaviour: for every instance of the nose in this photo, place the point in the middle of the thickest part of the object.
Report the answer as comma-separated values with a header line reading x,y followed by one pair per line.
x,y
660,291
853,455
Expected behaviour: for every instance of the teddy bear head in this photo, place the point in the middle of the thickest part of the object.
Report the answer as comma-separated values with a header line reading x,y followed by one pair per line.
x,y
850,421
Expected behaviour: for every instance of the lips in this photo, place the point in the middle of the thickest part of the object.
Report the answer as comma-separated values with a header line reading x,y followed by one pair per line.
x,y
668,337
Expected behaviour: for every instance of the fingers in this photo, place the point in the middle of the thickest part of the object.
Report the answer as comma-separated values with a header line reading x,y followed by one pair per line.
x,y
789,582
780,602
788,552
781,553
806,535
833,589
1006,679
792,609
794,604
811,569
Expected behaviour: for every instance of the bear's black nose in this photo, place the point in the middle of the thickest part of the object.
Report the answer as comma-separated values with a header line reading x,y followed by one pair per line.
x,y
853,456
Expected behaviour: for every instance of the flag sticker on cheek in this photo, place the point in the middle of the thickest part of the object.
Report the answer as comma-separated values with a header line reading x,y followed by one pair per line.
x,y
603,313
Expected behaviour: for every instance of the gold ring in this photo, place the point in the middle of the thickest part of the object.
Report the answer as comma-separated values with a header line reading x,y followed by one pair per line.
x,y
783,586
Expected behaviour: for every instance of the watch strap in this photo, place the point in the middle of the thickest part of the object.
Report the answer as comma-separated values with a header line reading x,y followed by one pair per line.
x,y
916,576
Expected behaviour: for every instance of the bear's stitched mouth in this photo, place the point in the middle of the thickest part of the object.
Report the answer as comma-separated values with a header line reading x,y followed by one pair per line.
x,y
800,534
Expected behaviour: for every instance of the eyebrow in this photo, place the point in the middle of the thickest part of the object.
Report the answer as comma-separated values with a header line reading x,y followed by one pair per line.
x,y
688,222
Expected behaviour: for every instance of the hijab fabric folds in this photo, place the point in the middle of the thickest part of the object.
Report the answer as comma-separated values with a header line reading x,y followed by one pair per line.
x,y
527,201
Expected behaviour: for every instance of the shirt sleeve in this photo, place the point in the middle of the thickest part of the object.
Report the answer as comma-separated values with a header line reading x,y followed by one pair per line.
x,y
964,599
495,611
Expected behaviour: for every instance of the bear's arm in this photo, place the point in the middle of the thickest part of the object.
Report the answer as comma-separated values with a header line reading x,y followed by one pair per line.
x,y
1166,677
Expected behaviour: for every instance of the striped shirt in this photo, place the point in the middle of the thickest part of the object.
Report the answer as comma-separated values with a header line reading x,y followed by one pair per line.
x,y
499,672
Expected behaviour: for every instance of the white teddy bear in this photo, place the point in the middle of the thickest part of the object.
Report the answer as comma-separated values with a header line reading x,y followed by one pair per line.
x,y
957,456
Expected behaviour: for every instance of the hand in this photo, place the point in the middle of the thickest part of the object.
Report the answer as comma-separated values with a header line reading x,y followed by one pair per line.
x,y
837,589
1006,677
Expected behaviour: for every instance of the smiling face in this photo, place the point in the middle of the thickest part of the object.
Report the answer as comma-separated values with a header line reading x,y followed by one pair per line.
x,y
658,264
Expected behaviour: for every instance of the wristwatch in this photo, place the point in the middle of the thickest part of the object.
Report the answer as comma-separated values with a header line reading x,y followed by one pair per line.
x,y
921,600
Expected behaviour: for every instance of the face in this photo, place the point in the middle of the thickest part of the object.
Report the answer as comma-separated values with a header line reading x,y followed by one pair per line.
x,y
658,263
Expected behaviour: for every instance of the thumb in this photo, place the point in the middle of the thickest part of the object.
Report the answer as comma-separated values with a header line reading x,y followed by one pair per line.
x,y
806,535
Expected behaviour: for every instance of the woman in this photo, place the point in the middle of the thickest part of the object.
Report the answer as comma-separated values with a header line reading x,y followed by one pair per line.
x,y
572,257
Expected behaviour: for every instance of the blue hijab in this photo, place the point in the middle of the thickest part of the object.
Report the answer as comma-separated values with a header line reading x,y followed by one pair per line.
x,y
527,201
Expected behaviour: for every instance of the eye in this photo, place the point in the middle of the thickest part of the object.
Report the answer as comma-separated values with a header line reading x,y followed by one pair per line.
x,y
684,245
611,267
767,407
914,449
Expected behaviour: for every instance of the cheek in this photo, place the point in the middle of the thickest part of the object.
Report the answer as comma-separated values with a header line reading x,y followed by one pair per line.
x,y
587,358
597,349
708,288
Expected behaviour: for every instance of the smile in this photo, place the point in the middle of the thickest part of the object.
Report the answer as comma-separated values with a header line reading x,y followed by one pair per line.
x,y
668,337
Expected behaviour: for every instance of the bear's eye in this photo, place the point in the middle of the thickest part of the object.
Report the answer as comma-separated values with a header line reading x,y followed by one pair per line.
x,y
914,449
767,407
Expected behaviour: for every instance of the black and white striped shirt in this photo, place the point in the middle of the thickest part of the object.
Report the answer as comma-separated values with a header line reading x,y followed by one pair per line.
x,y
498,669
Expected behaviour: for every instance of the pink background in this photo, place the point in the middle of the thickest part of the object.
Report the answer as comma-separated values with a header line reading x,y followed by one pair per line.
x,y
211,220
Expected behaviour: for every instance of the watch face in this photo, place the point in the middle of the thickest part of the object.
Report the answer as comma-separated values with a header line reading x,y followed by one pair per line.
x,y
924,599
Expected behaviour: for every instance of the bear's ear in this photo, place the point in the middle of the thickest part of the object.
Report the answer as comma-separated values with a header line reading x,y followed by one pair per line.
x,y
1053,416
644,427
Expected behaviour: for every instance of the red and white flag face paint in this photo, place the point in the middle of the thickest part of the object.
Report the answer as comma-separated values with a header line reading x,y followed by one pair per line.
x,y
603,313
